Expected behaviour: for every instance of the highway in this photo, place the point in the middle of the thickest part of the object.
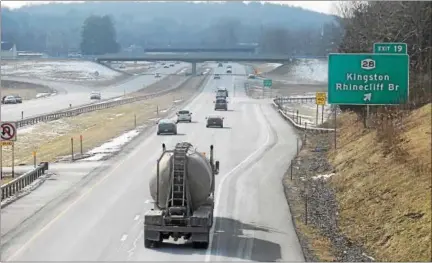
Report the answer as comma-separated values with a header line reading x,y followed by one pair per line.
x,y
77,94
103,220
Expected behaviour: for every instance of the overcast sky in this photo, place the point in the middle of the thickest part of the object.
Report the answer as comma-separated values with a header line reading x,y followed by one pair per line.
x,y
319,6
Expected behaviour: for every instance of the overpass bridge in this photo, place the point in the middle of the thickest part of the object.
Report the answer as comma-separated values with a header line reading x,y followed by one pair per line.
x,y
201,49
195,58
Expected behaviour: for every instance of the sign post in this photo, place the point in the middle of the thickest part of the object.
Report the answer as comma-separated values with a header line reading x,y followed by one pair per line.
x,y
320,99
368,79
390,48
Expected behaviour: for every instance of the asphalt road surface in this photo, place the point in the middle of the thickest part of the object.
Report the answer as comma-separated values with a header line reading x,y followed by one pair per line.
x,y
103,221
76,95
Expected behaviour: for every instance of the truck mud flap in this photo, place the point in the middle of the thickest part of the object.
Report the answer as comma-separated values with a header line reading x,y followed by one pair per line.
x,y
152,235
200,237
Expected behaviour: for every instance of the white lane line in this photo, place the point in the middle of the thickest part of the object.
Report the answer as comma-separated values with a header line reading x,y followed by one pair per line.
x,y
134,245
136,217
123,238
227,175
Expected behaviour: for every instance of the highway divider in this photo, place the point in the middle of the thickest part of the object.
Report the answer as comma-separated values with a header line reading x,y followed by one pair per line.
x,y
13,187
94,107
278,102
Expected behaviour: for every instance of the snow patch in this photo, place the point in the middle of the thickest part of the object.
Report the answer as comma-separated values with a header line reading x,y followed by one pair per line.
x,y
309,71
59,70
323,176
26,190
111,147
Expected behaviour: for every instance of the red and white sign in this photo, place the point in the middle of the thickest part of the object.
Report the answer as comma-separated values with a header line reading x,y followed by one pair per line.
x,y
8,131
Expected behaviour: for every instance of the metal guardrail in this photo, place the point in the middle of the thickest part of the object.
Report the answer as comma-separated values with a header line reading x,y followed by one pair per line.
x,y
13,187
93,107
277,104
282,100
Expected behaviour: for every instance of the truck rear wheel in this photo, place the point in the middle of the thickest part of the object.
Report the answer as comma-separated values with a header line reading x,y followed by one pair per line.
x,y
150,243
147,243
200,245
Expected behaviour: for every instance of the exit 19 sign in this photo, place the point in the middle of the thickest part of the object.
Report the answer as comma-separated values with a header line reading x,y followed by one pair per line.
x,y
390,48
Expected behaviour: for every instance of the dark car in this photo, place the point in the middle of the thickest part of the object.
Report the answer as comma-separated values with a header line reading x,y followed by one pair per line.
x,y
229,71
216,76
220,65
166,126
221,104
166,66
214,121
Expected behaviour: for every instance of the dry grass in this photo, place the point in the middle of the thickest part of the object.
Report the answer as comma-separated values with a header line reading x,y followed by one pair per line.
x,y
54,138
385,201
25,90
320,246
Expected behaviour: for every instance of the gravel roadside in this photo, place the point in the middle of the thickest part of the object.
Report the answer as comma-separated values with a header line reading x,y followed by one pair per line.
x,y
314,206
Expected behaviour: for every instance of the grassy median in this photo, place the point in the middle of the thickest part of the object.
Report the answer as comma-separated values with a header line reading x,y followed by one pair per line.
x,y
53,139
26,90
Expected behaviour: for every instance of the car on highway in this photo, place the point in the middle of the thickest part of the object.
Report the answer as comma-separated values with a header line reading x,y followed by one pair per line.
x,y
222,92
221,104
184,115
229,71
166,126
171,65
95,95
166,66
216,76
229,66
157,75
251,76
10,99
17,98
177,62
220,65
214,121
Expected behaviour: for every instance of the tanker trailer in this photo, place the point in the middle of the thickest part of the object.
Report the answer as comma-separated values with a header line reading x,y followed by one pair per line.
x,y
183,193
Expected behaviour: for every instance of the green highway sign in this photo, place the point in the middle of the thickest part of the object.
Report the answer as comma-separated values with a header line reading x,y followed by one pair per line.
x,y
268,83
390,48
373,79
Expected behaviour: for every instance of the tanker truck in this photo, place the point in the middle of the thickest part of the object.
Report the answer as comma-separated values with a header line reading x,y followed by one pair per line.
x,y
183,193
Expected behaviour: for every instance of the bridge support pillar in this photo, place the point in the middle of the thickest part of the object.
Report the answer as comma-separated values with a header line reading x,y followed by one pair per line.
x,y
194,68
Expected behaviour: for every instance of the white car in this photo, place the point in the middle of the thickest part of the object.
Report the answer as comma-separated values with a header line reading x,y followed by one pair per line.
x,y
9,100
184,115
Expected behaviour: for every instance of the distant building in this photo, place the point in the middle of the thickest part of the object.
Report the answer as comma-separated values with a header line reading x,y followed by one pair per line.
x,y
8,50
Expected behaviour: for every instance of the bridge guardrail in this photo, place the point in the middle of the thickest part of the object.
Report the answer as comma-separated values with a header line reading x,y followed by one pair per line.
x,y
93,107
15,186
277,104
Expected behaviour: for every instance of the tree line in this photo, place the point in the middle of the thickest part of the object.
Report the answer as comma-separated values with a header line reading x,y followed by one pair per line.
x,y
57,28
366,23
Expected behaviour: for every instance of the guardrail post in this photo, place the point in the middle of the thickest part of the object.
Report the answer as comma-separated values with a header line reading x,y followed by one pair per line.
x,y
297,116
305,133
72,150
34,158
291,169
22,115
81,145
298,146
300,120
135,121
70,105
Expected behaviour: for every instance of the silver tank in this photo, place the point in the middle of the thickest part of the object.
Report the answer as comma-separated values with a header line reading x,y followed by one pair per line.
x,y
199,179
